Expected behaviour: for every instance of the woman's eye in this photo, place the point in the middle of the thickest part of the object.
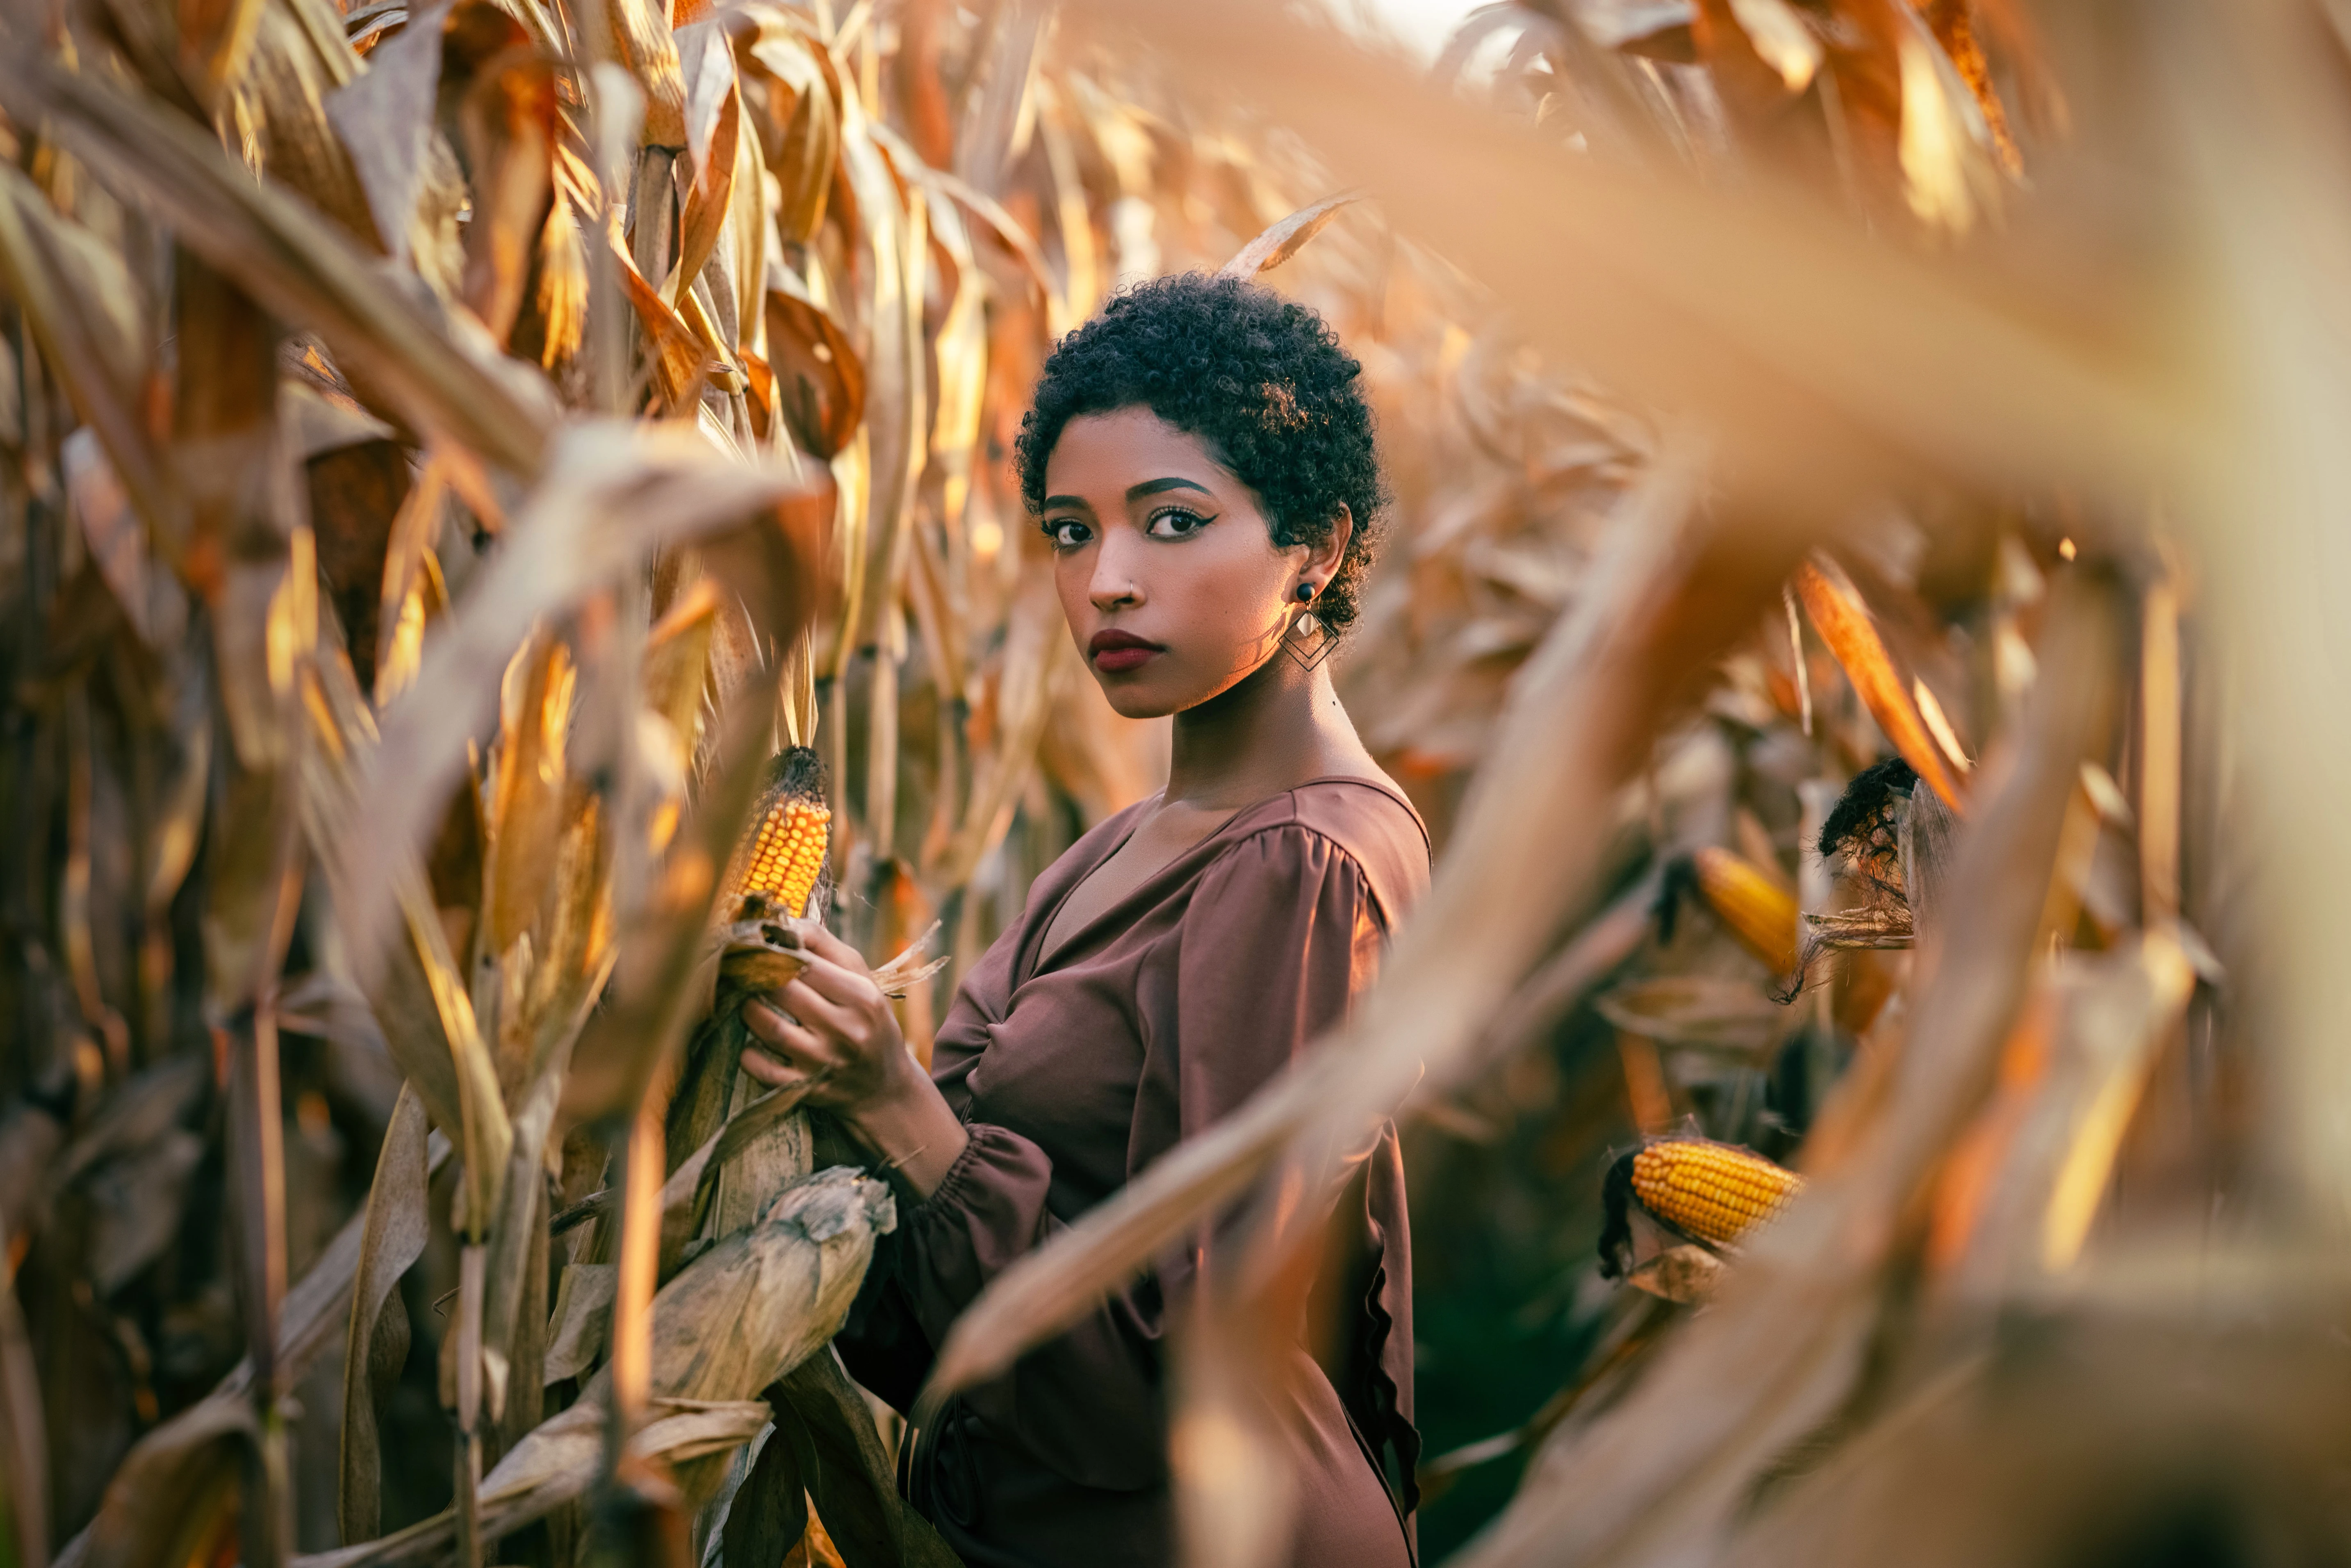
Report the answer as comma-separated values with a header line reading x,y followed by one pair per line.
x,y
1176,523
1067,533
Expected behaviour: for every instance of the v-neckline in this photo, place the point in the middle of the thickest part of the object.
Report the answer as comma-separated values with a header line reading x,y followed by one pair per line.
x,y
1039,962
1038,958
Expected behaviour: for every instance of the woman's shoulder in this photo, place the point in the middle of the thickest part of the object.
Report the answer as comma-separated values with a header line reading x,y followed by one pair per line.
x,y
1366,820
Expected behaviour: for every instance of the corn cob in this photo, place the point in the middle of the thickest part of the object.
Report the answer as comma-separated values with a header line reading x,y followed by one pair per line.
x,y
788,855
1759,912
783,862
1712,1192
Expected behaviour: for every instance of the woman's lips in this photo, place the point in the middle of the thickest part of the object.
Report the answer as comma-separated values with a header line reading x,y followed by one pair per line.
x,y
1115,652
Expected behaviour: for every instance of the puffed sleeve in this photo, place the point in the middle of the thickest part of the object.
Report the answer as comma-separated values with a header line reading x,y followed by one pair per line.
x,y
882,1341
1280,933
1283,935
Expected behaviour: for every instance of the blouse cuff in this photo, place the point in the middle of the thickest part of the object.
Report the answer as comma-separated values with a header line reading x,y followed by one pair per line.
x,y
987,1211
949,1192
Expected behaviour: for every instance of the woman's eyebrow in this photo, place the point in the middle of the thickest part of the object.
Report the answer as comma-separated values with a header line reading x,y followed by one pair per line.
x,y
1153,486
1052,501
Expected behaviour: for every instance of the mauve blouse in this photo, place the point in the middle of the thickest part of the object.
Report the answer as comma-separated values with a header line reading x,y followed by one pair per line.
x,y
1152,1022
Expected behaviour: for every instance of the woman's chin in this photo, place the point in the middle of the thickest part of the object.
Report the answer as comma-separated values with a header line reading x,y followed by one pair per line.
x,y
1146,693
1137,699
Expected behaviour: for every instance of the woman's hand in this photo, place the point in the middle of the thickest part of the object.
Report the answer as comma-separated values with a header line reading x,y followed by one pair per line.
x,y
832,1031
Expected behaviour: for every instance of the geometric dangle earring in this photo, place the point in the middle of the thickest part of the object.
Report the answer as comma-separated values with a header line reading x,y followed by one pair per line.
x,y
1306,639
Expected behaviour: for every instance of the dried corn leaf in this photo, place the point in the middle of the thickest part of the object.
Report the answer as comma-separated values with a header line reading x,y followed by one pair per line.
x,y
2112,1016
573,954
819,378
683,360
527,785
511,122
556,324
134,1117
1286,238
677,659
298,60
151,598
392,1239
1948,162
583,1320
768,1512
79,306
191,1456
165,1504
556,1465
794,99
514,1307
385,120
134,1206
687,1195
1780,39
639,33
714,126
848,1471
614,493
1844,623
416,988
670,974
301,269
1009,231
1027,684
893,257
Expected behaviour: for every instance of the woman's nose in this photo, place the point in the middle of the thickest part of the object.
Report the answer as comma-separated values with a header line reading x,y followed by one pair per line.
x,y
1114,584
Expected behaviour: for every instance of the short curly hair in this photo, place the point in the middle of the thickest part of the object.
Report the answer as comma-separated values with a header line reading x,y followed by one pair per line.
x,y
1262,381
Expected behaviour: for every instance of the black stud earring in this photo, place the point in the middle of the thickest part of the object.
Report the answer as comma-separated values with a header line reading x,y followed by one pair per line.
x,y
1305,592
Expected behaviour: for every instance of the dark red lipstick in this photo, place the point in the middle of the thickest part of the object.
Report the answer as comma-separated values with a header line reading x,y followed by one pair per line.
x,y
1115,652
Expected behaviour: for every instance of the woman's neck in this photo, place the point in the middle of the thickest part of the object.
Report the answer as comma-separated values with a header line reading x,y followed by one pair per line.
x,y
1272,731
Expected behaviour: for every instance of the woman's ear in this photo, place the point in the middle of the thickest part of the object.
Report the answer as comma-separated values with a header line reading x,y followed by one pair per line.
x,y
1323,560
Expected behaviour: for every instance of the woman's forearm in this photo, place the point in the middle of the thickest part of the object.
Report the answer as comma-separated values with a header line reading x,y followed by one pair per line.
x,y
913,1130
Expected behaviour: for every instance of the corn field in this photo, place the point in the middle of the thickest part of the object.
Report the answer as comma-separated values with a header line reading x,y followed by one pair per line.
x,y
1856,619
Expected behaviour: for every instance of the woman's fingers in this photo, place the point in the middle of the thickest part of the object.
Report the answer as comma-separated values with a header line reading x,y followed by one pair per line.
x,y
832,1022
819,1012
785,1037
770,1072
832,949
766,1020
799,1007
763,1020
851,987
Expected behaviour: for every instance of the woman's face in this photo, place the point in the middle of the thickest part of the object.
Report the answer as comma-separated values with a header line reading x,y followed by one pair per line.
x,y
1167,571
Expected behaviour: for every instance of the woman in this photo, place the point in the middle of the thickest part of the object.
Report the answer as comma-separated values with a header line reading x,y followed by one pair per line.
x,y
1201,461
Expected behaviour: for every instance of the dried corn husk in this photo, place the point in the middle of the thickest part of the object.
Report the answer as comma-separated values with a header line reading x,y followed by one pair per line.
x,y
741,1315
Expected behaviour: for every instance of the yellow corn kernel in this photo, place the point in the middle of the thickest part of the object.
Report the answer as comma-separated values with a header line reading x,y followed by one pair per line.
x,y
1758,910
1713,1192
788,855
